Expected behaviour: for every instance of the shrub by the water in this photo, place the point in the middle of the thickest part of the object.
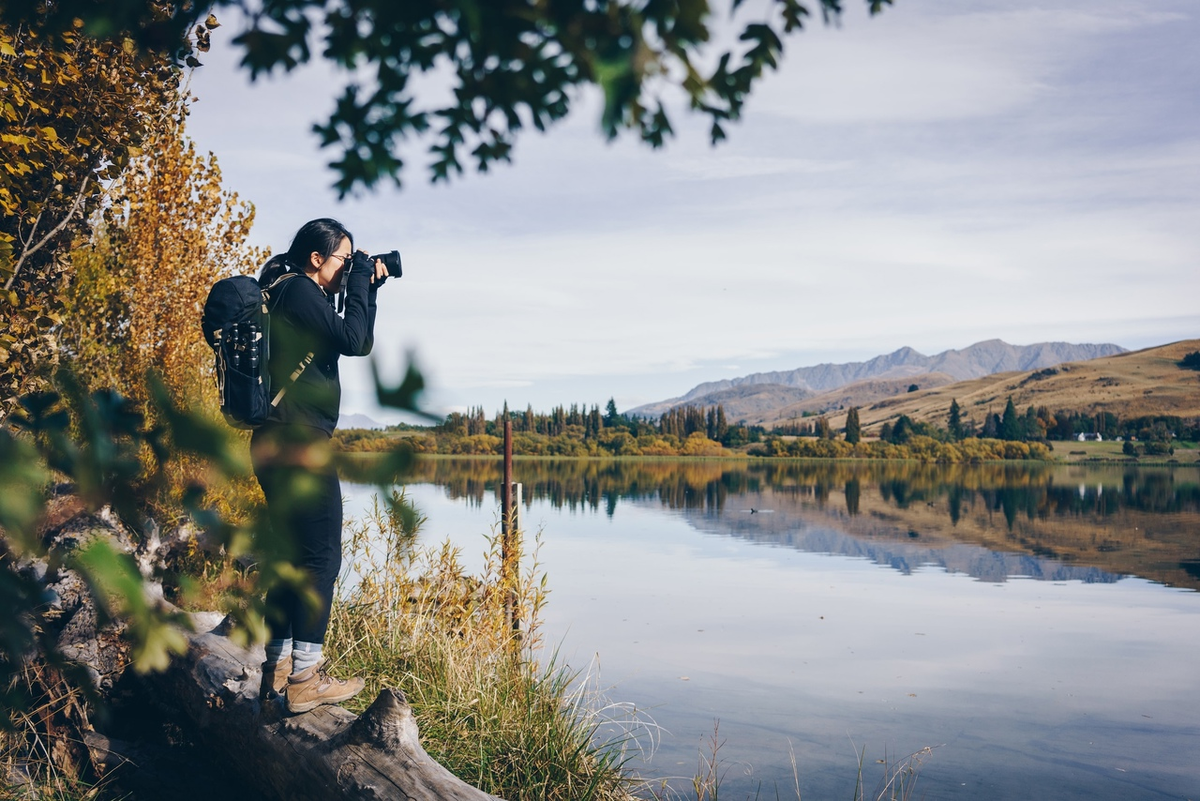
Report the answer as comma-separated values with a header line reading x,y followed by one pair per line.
x,y
414,619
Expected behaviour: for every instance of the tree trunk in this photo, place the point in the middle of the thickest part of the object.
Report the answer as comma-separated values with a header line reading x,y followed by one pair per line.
x,y
328,753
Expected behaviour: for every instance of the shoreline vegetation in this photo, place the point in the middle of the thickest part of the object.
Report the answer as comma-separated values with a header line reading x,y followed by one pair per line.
x,y
407,615
699,432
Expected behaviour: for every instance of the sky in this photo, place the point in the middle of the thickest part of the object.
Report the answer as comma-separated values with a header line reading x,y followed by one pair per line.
x,y
940,174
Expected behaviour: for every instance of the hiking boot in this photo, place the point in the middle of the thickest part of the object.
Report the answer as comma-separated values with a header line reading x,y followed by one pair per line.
x,y
275,681
310,688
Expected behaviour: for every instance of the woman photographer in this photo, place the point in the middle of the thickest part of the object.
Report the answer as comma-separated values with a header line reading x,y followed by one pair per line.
x,y
290,452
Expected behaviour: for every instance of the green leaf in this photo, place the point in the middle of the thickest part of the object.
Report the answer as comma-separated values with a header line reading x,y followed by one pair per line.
x,y
156,632
22,477
406,394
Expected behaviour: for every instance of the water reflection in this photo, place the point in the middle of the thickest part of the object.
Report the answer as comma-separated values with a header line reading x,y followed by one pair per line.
x,y
1077,686
992,521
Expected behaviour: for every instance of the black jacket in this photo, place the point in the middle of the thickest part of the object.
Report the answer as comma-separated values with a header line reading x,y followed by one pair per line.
x,y
303,320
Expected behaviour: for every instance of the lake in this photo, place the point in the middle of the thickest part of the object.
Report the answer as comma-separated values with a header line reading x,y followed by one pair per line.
x,y
1038,626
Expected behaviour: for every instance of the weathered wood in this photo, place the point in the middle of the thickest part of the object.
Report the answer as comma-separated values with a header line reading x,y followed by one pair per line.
x,y
212,693
328,753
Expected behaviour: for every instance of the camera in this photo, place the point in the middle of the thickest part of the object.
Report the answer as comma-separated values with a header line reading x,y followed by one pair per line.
x,y
391,260
361,261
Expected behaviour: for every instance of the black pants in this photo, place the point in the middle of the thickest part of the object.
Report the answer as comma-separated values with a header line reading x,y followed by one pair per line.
x,y
305,508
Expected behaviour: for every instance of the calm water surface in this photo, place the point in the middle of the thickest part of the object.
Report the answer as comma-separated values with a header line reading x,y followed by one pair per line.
x,y
1040,627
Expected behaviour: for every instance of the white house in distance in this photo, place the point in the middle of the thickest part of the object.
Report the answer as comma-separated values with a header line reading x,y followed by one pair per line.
x,y
1090,437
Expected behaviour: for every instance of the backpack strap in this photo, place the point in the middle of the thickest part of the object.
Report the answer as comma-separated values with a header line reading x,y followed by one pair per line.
x,y
292,378
267,304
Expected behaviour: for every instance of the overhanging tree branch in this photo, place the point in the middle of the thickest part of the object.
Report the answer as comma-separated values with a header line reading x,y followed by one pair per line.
x,y
513,64
27,250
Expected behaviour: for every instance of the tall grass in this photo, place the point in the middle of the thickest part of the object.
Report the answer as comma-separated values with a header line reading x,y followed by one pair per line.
x,y
412,618
898,781
41,756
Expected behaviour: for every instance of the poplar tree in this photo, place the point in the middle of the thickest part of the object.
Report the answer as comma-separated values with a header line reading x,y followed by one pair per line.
x,y
853,428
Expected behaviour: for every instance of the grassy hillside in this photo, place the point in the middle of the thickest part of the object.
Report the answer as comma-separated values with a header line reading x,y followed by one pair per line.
x,y
860,393
1144,382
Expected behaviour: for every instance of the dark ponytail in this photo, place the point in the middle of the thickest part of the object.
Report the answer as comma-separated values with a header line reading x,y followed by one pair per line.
x,y
315,236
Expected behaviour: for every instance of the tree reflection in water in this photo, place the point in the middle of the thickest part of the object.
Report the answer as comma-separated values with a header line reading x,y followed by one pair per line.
x,y
1121,519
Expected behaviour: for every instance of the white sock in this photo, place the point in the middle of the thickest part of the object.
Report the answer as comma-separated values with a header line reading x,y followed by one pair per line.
x,y
305,655
277,651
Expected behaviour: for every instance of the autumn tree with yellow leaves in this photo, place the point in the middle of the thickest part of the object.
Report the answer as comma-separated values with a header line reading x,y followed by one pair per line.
x,y
138,286
74,110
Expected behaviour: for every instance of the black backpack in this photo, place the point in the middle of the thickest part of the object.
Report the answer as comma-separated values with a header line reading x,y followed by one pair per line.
x,y
237,325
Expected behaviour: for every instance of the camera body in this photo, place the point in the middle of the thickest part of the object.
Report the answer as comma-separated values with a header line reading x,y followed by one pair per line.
x,y
361,261
364,263
391,260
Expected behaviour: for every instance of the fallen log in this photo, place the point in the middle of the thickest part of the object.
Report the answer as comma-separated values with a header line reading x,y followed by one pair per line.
x,y
211,692
328,753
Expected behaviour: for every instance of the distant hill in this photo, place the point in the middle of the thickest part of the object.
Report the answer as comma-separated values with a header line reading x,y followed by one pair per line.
x,y
980,359
1132,384
358,421
860,393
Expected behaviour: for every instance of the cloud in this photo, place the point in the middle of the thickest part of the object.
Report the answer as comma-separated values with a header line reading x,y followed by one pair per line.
x,y
914,65
738,166
938,175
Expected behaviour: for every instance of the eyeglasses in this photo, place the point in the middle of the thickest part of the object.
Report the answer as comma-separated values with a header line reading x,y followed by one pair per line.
x,y
343,258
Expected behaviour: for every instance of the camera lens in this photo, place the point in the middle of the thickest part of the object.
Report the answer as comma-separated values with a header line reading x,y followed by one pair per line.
x,y
392,260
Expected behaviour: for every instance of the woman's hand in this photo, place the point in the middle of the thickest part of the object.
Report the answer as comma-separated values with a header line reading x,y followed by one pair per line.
x,y
379,273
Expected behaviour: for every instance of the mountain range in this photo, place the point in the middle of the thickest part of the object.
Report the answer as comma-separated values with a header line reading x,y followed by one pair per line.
x,y
1146,382
773,395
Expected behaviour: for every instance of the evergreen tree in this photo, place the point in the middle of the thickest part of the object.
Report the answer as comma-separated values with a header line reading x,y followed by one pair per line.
x,y
1010,423
853,428
611,418
955,423
823,429
722,424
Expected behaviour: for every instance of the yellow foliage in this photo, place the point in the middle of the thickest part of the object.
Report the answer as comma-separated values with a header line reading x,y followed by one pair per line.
x,y
651,445
1016,450
919,448
699,445
139,285
71,109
